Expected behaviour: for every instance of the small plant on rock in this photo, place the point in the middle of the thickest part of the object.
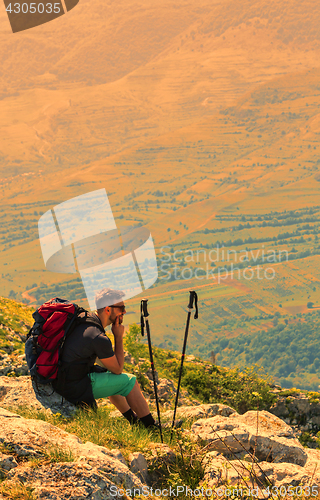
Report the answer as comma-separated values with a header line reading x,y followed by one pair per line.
x,y
16,491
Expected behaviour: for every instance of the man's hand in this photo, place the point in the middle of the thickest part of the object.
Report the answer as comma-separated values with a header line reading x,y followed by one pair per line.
x,y
117,328
115,363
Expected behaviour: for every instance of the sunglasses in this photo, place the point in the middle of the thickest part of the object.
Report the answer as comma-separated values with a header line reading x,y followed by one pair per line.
x,y
123,308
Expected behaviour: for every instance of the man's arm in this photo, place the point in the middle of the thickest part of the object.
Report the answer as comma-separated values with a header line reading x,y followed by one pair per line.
x,y
116,362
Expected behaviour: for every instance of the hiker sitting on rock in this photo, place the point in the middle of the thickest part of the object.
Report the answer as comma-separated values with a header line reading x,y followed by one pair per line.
x,y
80,381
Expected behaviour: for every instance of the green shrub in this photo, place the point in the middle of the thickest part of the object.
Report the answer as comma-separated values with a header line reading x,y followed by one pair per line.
x,y
243,391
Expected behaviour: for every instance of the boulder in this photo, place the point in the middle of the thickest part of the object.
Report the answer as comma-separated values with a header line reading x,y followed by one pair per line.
x,y
300,410
21,391
65,481
220,470
267,435
245,472
159,455
90,471
312,466
139,466
200,411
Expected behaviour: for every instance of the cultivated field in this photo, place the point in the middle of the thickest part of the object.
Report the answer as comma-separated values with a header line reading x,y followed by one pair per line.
x,y
202,123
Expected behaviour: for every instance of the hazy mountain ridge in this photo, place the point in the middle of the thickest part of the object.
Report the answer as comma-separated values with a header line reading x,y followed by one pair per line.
x,y
98,40
80,45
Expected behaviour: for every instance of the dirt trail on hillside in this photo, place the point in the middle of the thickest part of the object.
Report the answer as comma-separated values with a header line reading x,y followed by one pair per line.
x,y
29,297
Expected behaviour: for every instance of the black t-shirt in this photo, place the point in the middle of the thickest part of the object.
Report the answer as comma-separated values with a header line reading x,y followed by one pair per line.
x,y
81,348
86,343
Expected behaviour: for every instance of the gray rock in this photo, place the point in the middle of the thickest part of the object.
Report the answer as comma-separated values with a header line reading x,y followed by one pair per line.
x,y
139,466
240,473
190,358
299,410
200,411
166,389
7,462
118,455
271,438
129,359
162,451
312,466
149,375
218,409
21,391
66,481
159,455
93,472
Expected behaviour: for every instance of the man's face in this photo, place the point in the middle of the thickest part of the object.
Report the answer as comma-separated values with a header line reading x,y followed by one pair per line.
x,y
117,311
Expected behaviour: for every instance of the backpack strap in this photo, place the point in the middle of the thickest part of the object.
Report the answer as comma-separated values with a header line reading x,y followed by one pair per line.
x,y
84,317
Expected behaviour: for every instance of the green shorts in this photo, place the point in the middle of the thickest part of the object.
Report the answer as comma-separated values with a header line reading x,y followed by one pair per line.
x,y
109,384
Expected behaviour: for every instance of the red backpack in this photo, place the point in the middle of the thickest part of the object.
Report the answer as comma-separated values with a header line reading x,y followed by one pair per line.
x,y
54,321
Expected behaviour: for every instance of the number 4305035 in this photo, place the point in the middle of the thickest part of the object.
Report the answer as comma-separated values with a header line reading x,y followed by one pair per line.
x,y
34,8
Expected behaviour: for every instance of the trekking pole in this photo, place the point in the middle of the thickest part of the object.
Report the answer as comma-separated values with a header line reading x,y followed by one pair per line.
x,y
144,316
193,298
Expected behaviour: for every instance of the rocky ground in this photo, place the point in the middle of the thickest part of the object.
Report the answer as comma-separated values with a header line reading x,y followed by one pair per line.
x,y
259,449
255,450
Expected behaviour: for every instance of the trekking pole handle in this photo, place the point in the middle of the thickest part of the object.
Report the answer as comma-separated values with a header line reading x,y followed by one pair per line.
x,y
144,303
144,314
193,298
